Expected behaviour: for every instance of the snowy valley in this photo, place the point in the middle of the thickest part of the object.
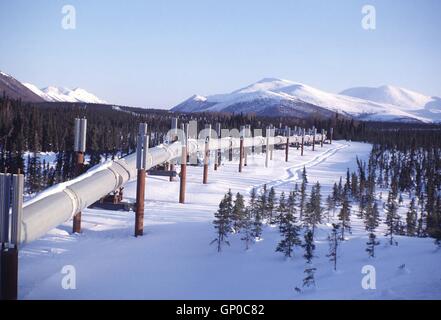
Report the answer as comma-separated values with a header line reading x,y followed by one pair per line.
x,y
174,260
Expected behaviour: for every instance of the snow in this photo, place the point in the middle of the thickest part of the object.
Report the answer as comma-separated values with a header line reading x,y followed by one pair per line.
x,y
37,91
4,74
403,98
275,89
60,94
174,260
67,95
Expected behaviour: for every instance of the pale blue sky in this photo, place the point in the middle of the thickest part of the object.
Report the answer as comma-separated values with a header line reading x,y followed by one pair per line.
x,y
157,53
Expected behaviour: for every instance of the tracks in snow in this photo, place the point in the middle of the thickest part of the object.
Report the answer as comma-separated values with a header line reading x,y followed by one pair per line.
x,y
294,172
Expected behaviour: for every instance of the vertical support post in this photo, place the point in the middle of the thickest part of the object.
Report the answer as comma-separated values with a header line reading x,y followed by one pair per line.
x,y
288,134
230,150
303,142
331,134
10,233
241,154
218,154
183,180
192,133
267,151
314,131
206,160
246,149
323,137
272,131
174,128
141,164
80,149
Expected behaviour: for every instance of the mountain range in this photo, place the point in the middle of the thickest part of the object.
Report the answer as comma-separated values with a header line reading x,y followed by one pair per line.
x,y
31,93
279,97
271,97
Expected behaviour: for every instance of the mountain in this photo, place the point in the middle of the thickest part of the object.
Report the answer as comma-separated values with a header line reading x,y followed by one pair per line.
x,y
278,97
16,90
407,100
59,94
31,93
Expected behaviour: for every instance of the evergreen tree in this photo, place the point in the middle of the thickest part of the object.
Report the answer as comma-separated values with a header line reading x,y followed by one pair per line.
x,y
309,247
335,195
222,224
270,205
303,195
289,231
330,206
392,218
411,219
340,191
281,208
345,216
314,210
229,202
333,240
247,228
263,203
372,219
238,213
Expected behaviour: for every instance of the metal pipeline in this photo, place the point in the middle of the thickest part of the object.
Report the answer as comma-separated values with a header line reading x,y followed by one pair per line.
x,y
53,208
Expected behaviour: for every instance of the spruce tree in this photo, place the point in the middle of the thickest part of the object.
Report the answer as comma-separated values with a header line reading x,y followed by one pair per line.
x,y
345,216
334,241
309,247
247,228
289,230
281,207
371,222
303,195
314,210
330,206
270,205
263,203
238,213
411,219
392,218
222,224
335,195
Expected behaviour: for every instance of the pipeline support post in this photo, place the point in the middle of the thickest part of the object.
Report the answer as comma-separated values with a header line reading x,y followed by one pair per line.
x,y
246,149
288,134
314,131
267,147
174,129
80,149
241,154
218,154
183,174
302,143
10,196
141,166
331,135
321,140
206,160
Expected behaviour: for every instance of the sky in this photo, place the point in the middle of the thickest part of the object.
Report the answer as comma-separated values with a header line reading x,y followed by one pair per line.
x,y
156,54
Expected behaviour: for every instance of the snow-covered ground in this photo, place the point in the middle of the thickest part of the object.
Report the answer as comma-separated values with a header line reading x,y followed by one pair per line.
x,y
174,260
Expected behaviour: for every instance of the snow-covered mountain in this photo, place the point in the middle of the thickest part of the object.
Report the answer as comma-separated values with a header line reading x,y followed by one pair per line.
x,y
28,92
276,97
59,94
406,100
14,89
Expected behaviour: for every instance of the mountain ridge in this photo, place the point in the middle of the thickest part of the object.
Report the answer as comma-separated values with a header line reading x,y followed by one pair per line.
x,y
28,92
263,95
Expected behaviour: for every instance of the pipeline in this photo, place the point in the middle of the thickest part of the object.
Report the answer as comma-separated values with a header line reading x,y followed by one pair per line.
x,y
54,208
